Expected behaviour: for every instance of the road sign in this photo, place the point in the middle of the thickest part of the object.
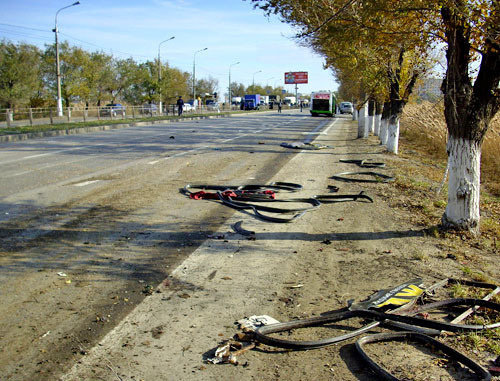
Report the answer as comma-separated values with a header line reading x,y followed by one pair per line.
x,y
296,77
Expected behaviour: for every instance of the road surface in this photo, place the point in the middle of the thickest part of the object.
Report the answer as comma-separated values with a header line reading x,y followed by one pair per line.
x,y
91,222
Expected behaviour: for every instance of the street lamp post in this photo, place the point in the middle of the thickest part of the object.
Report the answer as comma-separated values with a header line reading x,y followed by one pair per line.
x,y
253,80
194,74
159,73
236,63
58,69
267,81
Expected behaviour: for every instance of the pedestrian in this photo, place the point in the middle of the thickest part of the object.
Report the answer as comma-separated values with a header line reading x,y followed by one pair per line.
x,y
180,105
301,105
279,107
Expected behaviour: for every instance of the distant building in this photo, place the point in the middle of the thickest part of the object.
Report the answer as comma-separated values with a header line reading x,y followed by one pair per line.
x,y
430,89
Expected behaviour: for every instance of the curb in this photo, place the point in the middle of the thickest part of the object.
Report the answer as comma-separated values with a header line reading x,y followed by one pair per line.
x,y
106,127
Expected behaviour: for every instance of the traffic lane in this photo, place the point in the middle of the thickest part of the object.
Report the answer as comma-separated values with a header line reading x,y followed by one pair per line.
x,y
140,140
120,239
32,164
247,162
73,174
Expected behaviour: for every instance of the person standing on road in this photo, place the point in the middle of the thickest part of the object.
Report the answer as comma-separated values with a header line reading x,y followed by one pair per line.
x,y
180,105
279,107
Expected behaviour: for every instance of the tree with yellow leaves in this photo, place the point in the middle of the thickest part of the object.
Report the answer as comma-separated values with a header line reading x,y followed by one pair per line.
x,y
470,30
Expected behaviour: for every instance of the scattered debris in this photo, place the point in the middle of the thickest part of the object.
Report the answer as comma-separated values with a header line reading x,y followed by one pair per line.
x,y
216,236
302,145
212,275
402,294
331,198
227,353
366,163
494,370
253,322
252,197
416,323
148,290
333,188
482,373
157,332
238,229
377,177
61,274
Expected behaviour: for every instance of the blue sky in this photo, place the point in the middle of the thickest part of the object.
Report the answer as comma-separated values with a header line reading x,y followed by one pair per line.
x,y
231,30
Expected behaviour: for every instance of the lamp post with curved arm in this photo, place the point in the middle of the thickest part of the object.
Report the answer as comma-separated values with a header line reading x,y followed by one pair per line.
x,y
194,74
159,73
253,80
230,99
58,68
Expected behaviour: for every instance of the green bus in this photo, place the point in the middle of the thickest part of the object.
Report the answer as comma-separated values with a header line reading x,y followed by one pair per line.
x,y
323,103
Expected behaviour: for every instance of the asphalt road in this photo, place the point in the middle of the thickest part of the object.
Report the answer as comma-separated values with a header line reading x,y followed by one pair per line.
x,y
43,172
89,223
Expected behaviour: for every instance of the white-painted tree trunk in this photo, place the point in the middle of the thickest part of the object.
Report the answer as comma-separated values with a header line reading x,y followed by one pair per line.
x,y
362,122
355,115
378,118
393,135
464,160
383,131
371,124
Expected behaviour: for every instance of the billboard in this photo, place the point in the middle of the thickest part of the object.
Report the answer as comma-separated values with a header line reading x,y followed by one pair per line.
x,y
296,77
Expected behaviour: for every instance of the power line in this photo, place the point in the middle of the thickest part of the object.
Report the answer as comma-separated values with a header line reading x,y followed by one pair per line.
x,y
25,27
46,38
31,36
102,47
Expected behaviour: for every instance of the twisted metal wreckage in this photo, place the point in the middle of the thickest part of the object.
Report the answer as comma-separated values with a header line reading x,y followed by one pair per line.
x,y
410,317
403,307
251,197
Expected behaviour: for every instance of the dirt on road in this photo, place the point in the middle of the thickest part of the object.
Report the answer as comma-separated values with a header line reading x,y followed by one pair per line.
x,y
174,293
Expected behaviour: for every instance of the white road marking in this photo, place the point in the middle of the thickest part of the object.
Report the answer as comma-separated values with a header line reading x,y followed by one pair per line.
x,y
45,167
317,130
86,183
177,155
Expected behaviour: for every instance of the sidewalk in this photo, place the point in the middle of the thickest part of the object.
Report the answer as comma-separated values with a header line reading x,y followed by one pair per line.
x,y
339,252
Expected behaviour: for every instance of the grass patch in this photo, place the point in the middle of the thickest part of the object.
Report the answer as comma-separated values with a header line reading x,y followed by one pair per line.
x,y
423,129
420,256
487,340
474,274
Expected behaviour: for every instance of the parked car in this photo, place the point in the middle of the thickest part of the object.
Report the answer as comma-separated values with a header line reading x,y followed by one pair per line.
x,y
113,109
212,106
346,108
149,108
187,107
